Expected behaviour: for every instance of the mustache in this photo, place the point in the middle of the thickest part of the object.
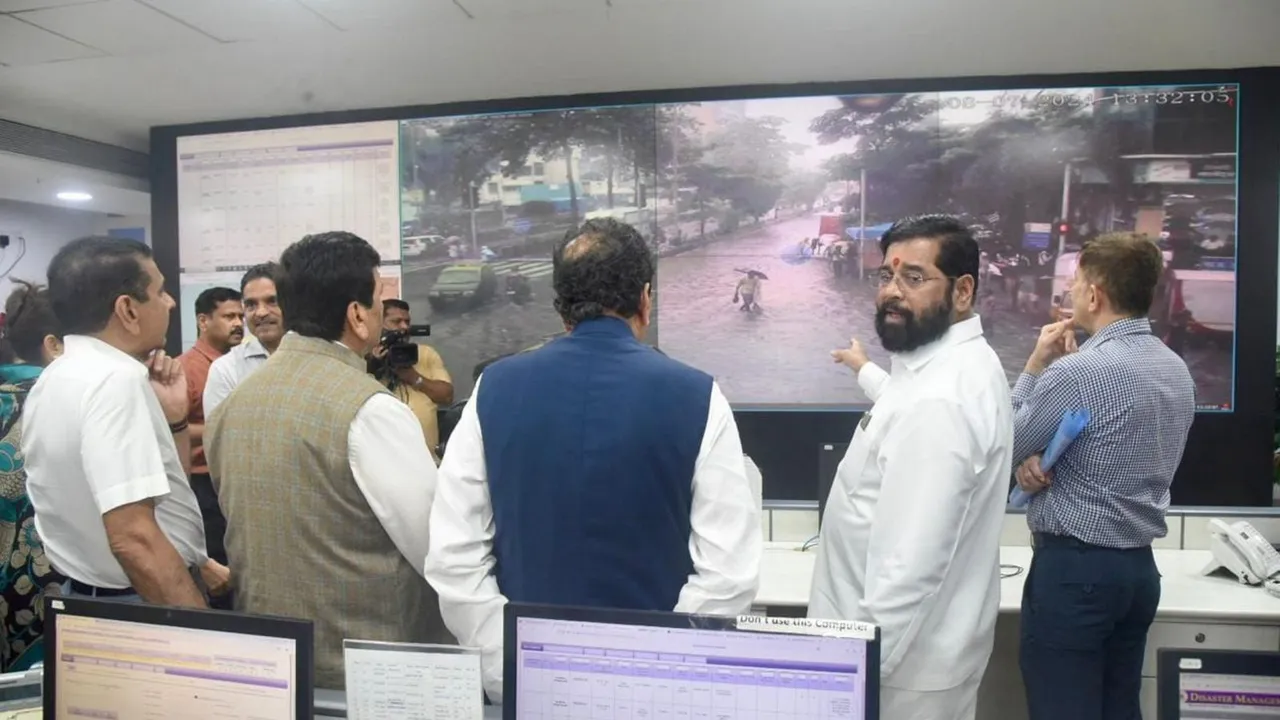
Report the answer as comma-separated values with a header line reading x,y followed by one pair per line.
x,y
893,307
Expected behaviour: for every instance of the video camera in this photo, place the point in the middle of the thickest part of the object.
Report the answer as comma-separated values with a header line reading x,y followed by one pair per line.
x,y
402,351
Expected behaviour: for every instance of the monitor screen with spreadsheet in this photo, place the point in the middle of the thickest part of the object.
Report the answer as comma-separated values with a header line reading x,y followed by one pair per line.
x,y
244,197
114,660
606,664
1217,684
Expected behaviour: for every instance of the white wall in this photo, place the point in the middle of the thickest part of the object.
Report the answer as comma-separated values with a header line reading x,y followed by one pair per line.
x,y
118,222
45,230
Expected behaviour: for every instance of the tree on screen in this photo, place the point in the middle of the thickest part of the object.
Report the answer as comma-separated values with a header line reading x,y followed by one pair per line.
x,y
752,158
448,156
898,147
1009,166
554,134
803,188
625,138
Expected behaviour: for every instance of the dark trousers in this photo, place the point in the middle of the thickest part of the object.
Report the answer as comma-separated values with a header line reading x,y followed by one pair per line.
x,y
1086,610
215,528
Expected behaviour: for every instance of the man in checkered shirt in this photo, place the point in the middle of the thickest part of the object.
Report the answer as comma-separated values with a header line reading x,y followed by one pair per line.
x,y
1092,589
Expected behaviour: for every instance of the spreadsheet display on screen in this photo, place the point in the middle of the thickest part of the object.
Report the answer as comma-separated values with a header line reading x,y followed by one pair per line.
x,y
114,669
245,197
569,669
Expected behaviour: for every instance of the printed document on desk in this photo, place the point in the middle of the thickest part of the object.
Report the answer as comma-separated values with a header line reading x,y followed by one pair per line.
x,y
405,681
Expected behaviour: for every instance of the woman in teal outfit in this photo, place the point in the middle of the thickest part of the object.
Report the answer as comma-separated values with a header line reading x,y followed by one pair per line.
x,y
29,340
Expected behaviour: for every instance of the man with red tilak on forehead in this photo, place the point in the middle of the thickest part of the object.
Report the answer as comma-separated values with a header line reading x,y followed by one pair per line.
x,y
911,533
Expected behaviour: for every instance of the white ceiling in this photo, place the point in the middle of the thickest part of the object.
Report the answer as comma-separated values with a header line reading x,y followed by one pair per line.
x,y
28,179
109,69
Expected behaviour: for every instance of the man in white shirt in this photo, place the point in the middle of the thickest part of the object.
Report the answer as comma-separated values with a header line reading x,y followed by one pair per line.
x,y
324,476
911,534
266,328
593,471
105,435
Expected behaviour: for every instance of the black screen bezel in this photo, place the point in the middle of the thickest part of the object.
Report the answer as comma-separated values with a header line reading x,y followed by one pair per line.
x,y
300,631
1213,662
512,612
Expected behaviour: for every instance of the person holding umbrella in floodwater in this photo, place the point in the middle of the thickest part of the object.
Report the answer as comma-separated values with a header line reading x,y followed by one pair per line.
x,y
748,289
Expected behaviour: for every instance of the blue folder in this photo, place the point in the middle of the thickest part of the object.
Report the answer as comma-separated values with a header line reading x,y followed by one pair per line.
x,y
1073,423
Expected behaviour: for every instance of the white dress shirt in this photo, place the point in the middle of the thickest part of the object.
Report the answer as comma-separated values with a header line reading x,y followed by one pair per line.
x,y
94,439
725,540
911,534
231,369
394,471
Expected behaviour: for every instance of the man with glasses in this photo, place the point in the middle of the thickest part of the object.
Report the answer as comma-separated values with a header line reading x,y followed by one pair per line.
x,y
911,534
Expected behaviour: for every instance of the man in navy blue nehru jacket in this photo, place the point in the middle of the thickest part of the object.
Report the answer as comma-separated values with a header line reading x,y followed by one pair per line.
x,y
1093,587
594,471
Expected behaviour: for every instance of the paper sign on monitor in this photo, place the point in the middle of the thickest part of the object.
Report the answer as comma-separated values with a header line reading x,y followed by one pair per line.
x,y
807,626
391,681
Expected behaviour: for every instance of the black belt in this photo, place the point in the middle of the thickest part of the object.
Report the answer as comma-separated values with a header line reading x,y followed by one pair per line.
x,y
1041,540
85,589
94,591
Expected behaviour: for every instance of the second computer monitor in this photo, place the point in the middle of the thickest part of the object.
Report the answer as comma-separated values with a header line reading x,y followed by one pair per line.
x,y
1217,684
111,660
606,664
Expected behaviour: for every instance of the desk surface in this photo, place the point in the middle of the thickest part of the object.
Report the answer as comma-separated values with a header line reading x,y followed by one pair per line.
x,y
786,574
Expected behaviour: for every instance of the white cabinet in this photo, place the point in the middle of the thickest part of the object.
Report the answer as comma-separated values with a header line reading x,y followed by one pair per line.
x,y
1147,701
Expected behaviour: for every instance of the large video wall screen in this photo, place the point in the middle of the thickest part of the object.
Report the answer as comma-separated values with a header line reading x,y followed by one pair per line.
x,y
792,192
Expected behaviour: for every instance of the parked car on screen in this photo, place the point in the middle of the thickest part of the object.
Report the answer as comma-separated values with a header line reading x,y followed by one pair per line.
x,y
462,286
412,247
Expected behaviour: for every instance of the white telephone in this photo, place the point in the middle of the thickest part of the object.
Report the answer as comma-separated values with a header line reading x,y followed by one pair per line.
x,y
1243,551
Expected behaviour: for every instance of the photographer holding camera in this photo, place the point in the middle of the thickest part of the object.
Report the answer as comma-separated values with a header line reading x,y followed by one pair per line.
x,y
414,372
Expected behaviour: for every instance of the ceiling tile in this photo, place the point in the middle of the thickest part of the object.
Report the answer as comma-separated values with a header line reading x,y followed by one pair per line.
x,y
235,20
119,27
493,9
8,6
365,14
23,44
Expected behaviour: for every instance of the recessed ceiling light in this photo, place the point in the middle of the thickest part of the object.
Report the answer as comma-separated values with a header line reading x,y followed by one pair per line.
x,y
72,196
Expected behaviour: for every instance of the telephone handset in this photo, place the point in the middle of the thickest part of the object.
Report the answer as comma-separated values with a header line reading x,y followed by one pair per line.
x,y
1243,551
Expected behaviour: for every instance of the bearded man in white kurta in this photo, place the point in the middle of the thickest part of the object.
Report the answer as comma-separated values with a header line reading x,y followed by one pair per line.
x,y
911,533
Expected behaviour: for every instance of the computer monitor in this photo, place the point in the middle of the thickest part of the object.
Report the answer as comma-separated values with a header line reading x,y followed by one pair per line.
x,y
606,664
107,659
1217,684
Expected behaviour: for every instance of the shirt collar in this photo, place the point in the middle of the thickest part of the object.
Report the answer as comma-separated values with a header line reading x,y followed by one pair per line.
x,y
252,347
344,346
606,325
958,333
86,344
1119,328
209,352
